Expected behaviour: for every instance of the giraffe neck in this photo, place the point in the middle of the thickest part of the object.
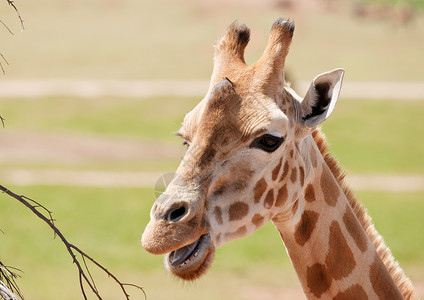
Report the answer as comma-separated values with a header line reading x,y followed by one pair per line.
x,y
332,254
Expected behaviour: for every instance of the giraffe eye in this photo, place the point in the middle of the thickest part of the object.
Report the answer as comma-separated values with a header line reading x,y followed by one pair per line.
x,y
267,142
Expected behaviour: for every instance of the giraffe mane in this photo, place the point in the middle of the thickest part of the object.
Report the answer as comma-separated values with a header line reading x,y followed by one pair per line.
x,y
402,281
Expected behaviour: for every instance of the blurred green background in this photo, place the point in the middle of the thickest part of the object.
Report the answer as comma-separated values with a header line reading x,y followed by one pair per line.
x,y
128,40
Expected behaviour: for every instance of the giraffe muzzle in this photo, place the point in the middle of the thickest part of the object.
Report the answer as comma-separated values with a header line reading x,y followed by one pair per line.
x,y
183,254
191,261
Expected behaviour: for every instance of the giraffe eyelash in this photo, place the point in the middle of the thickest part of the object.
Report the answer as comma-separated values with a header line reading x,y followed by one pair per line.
x,y
267,142
185,140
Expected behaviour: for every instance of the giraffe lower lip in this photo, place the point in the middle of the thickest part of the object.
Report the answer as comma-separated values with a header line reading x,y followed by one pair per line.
x,y
183,254
193,261
186,253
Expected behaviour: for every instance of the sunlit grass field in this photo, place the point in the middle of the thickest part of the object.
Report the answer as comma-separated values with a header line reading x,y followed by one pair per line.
x,y
166,39
366,136
107,224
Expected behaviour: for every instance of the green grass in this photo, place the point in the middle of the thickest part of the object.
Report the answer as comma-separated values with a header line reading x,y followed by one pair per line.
x,y
397,217
107,223
139,39
377,136
153,118
153,165
366,136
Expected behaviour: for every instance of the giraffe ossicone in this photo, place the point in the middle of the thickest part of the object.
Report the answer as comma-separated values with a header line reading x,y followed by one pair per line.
x,y
255,155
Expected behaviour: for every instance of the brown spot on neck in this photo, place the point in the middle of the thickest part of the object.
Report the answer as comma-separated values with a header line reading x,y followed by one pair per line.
x,y
355,230
329,187
218,214
276,170
310,193
302,176
269,199
305,227
281,196
237,211
242,230
401,280
259,189
257,220
313,157
238,233
295,207
285,171
317,279
382,282
354,292
339,260
293,176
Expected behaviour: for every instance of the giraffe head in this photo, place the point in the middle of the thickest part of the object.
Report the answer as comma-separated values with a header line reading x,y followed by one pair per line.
x,y
242,141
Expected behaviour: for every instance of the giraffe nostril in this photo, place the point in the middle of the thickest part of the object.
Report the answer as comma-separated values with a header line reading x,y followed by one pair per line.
x,y
177,214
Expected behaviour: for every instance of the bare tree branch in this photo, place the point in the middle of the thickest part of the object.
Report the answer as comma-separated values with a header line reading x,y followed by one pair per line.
x,y
1,66
5,293
8,286
8,29
2,120
11,3
73,251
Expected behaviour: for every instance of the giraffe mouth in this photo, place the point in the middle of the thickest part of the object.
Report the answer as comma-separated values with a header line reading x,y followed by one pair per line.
x,y
191,261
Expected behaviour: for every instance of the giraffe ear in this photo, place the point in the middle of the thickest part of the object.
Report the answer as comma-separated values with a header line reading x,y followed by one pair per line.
x,y
321,97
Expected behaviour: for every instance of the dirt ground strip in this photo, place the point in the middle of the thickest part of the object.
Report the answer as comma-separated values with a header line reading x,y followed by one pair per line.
x,y
69,149
187,88
393,183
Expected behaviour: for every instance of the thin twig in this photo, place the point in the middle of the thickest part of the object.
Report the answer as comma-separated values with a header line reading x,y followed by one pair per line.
x,y
38,205
6,293
8,29
8,278
72,249
17,11
1,65
109,273
4,59
82,285
2,120
89,274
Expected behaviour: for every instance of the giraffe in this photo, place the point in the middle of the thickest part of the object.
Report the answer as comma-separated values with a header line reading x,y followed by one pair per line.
x,y
256,154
